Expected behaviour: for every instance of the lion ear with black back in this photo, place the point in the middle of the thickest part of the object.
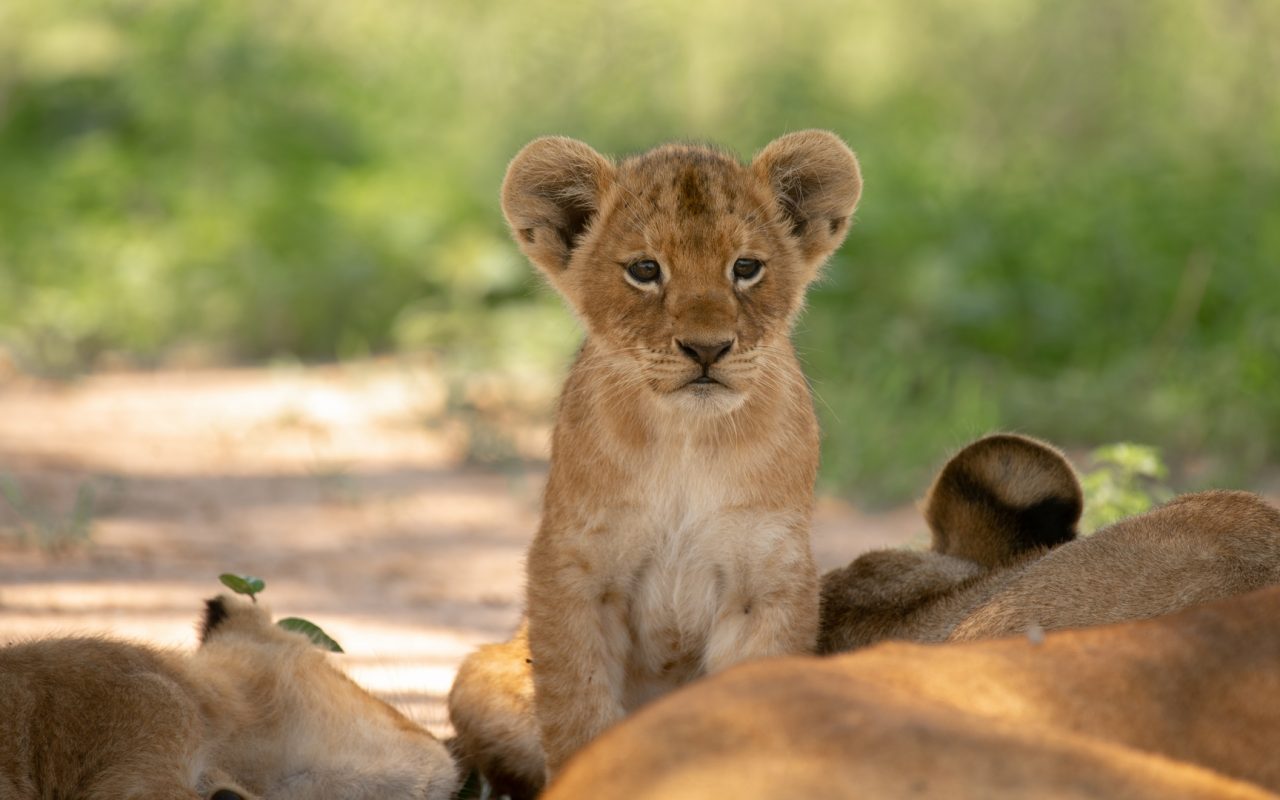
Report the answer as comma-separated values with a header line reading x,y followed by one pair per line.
x,y
226,614
816,182
550,197
1001,497
215,614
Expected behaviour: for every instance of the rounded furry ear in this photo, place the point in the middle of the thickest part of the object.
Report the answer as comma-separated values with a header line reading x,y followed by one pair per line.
x,y
550,196
228,614
816,180
215,613
1002,496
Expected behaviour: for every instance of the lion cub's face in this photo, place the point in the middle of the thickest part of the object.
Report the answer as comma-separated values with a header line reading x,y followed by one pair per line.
x,y
686,266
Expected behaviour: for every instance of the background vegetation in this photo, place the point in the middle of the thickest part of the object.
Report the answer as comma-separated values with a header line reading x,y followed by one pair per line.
x,y
1071,224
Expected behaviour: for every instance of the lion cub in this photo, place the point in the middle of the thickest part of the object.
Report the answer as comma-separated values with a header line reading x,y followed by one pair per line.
x,y
256,711
674,536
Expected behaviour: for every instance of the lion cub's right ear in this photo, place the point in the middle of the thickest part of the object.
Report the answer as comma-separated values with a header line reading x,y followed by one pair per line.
x,y
1002,496
550,196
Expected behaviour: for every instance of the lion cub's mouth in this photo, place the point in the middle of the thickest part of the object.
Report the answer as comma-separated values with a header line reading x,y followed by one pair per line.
x,y
704,384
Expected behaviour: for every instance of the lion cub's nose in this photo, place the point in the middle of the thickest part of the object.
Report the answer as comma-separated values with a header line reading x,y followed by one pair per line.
x,y
705,354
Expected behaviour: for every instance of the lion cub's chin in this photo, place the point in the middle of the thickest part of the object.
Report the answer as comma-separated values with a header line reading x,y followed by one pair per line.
x,y
704,399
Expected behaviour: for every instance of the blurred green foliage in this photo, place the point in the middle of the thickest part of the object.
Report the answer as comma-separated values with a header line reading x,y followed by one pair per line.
x,y
1071,223
1126,479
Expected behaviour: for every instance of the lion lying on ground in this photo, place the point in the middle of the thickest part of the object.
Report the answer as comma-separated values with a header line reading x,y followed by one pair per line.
x,y
1005,558
1183,706
256,711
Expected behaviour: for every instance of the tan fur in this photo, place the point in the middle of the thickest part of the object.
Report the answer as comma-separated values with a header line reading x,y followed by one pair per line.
x,y
256,710
674,538
491,707
1196,548
1184,706
1002,496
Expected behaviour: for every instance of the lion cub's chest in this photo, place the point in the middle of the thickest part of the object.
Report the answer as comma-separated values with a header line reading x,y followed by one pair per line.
x,y
696,550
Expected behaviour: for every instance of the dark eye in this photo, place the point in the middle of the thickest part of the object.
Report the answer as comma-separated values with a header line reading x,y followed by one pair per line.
x,y
744,269
645,271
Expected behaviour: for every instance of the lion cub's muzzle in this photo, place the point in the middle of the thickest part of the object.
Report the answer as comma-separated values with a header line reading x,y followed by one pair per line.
x,y
704,355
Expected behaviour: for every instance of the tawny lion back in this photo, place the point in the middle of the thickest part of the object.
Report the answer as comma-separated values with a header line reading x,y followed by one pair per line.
x,y
255,712
674,538
1182,706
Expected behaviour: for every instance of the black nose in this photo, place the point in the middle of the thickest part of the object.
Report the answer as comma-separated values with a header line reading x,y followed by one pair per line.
x,y
704,354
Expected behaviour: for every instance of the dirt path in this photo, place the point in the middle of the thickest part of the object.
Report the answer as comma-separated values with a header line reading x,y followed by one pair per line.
x,y
346,488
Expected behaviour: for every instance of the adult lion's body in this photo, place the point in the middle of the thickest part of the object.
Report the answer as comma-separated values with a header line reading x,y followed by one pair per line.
x,y
255,711
1184,706
96,718
674,537
1005,557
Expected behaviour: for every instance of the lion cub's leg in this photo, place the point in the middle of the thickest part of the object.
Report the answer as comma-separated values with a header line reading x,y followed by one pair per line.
x,y
579,642
767,612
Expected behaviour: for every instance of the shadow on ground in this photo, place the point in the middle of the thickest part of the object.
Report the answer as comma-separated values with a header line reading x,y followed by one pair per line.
x,y
344,487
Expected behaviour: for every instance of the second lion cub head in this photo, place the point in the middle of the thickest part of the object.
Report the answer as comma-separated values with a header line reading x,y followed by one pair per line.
x,y
683,262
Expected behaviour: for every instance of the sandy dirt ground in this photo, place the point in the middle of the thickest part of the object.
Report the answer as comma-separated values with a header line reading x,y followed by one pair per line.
x,y
352,490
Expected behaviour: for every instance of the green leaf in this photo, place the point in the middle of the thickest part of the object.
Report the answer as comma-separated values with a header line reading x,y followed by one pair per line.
x,y
312,632
243,584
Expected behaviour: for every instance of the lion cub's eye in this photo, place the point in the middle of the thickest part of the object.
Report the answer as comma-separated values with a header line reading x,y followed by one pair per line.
x,y
746,269
645,271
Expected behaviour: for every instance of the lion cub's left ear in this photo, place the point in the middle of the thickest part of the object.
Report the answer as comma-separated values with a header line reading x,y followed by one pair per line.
x,y
816,180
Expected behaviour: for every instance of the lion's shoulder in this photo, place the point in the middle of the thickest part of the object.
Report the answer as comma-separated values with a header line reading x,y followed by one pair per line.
x,y
253,708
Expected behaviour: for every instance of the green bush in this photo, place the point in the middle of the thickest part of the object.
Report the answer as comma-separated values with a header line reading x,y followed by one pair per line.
x,y
1068,226
1126,479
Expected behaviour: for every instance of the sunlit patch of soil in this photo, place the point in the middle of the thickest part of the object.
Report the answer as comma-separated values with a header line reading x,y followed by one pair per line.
x,y
369,499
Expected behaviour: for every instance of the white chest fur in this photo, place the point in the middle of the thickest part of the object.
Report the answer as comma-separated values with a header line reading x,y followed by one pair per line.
x,y
696,556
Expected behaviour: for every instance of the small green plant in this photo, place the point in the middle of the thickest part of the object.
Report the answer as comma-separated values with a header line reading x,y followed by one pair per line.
x,y
243,584
1127,479
252,587
312,631
50,530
